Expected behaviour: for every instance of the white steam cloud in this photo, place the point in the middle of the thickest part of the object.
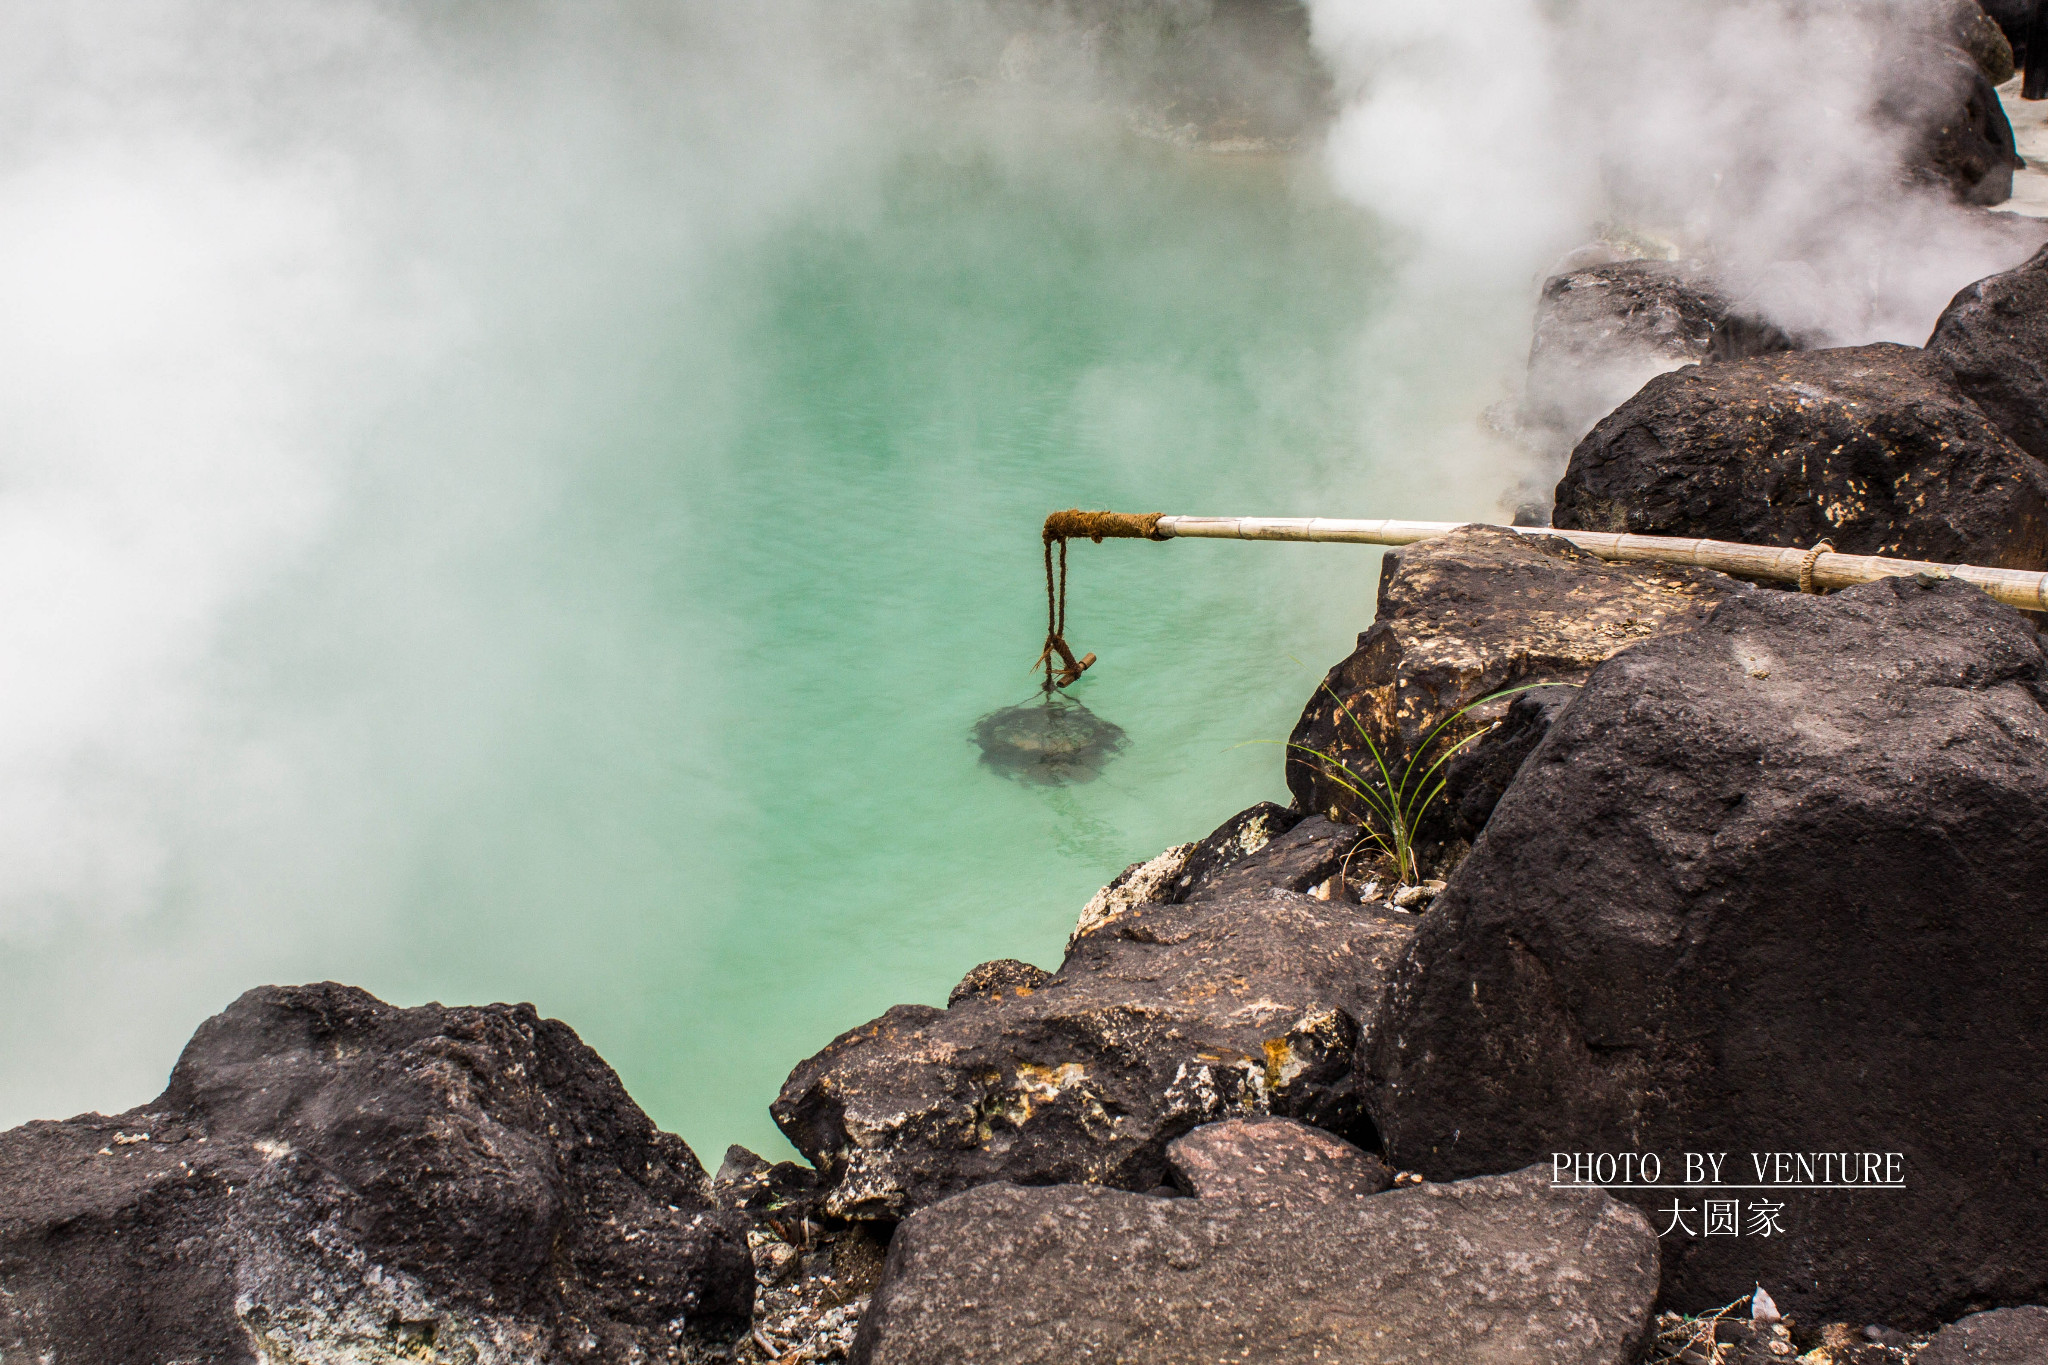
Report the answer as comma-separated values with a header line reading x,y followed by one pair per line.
x,y
294,295
1771,139
254,261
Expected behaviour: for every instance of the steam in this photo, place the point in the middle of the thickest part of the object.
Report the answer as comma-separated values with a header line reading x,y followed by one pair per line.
x,y
323,317
308,305
1771,139
240,247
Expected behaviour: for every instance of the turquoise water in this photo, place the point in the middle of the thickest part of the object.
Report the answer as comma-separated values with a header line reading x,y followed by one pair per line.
x,y
621,649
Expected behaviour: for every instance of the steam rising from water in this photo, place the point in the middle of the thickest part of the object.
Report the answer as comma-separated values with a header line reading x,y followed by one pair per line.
x,y
253,261
455,464
335,456
1504,133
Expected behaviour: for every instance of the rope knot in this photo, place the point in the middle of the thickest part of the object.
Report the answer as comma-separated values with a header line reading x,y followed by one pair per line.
x,y
1806,564
1074,523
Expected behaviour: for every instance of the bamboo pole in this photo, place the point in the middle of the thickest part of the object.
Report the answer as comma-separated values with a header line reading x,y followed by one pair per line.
x,y
2020,588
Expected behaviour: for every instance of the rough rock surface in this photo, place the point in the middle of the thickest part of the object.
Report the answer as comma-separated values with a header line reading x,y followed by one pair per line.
x,y
1468,614
328,1177
1169,878
812,1285
1994,336
1476,779
2014,18
1964,142
1773,885
1872,448
994,980
1979,35
1500,1271
1243,1000
750,1182
1602,332
1274,1160
2007,1336
1982,37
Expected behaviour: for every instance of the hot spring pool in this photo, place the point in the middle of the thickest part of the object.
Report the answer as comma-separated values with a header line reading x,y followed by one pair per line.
x,y
534,539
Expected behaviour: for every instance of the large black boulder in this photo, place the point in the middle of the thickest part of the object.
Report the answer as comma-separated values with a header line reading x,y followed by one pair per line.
x,y
1994,336
1771,886
1872,448
1476,779
328,1177
1972,29
1500,1271
1603,330
1462,617
1244,998
1962,142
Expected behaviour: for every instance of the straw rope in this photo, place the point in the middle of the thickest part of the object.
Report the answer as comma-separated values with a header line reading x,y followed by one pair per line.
x,y
1806,565
1074,522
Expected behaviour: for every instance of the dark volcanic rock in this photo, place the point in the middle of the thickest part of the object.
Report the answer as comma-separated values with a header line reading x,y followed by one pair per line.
x,y
1994,336
328,1177
1670,307
1982,37
993,980
2013,18
1963,140
1164,1016
2008,1336
1243,834
1872,448
1187,872
1475,780
1167,877
1770,886
748,1181
1276,1161
1605,330
1468,614
1310,851
1502,1271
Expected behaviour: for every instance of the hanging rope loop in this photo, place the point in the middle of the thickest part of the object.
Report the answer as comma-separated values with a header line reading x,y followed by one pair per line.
x,y
1059,527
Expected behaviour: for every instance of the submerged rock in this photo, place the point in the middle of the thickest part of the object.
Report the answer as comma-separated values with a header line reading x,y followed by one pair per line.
x,y
1994,336
1500,1271
1244,999
1050,742
1469,614
1769,886
1872,448
330,1178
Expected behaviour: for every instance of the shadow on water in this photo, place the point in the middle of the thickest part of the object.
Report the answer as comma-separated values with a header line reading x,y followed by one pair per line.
x,y
1049,742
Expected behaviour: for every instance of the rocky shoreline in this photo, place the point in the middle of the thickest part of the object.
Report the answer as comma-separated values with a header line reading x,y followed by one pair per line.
x,y
1740,881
